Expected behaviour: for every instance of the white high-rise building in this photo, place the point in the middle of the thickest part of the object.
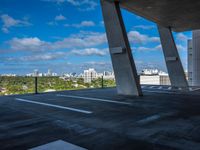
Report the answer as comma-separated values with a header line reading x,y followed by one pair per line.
x,y
49,73
89,75
36,73
190,64
196,58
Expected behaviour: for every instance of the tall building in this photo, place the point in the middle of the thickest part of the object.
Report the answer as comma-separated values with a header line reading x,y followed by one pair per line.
x,y
49,73
89,75
194,59
36,73
190,66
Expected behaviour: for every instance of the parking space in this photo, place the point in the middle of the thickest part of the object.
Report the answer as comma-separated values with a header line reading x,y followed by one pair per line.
x,y
100,117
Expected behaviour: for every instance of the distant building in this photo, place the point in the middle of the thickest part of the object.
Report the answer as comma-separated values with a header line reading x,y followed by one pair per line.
x,y
190,64
54,74
49,73
154,77
150,72
9,75
36,73
89,75
108,75
194,59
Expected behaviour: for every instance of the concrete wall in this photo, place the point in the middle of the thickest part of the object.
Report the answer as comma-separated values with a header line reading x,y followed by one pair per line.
x,y
196,58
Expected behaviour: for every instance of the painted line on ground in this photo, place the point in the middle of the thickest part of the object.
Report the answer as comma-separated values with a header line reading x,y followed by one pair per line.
x,y
163,91
195,89
169,88
155,117
94,99
55,106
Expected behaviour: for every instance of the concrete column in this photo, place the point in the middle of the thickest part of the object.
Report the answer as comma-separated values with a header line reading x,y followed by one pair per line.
x,y
122,60
173,62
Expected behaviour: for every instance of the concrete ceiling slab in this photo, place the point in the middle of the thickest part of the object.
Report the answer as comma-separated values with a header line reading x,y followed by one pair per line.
x,y
180,15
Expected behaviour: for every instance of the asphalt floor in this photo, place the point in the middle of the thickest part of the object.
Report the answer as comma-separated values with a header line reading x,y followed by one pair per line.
x,y
162,119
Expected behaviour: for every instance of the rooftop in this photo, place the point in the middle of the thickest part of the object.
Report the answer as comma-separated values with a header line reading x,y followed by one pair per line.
x,y
99,119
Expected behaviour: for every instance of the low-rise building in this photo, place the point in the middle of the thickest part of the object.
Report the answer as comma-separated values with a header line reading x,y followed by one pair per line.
x,y
89,75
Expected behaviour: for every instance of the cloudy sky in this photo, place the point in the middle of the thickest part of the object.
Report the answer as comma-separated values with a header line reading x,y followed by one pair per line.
x,y
69,36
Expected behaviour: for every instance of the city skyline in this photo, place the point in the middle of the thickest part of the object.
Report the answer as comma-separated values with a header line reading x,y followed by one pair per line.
x,y
31,38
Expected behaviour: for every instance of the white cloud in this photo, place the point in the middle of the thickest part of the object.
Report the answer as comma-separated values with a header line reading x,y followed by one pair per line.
x,y
90,52
5,30
60,18
81,24
29,44
9,22
81,40
136,37
144,27
42,57
181,37
82,5
38,57
52,23
87,23
56,20
181,47
156,48
55,1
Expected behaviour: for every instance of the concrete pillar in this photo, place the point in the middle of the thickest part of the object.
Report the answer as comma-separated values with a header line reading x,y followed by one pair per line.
x,y
173,62
122,60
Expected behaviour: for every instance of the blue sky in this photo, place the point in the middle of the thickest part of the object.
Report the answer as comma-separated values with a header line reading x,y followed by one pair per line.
x,y
69,36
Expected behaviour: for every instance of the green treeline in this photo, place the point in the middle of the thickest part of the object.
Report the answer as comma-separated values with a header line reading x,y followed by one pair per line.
x,y
23,85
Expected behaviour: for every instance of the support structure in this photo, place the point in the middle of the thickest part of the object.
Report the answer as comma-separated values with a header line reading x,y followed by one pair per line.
x,y
126,76
173,62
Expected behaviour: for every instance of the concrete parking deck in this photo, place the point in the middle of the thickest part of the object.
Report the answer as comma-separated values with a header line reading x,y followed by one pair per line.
x,y
99,119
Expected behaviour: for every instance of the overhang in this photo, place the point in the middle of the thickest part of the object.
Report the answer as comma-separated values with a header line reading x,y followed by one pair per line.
x,y
180,15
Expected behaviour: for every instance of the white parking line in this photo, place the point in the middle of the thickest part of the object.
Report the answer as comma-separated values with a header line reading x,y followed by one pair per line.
x,y
194,89
52,105
155,117
162,92
169,88
94,99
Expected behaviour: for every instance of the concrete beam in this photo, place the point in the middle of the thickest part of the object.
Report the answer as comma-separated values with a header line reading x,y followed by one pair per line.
x,y
173,62
126,76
